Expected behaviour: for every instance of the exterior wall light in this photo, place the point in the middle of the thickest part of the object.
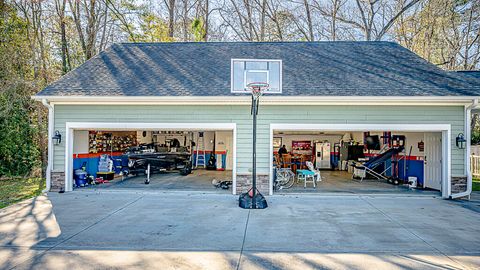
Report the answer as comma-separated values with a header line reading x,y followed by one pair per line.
x,y
460,141
57,138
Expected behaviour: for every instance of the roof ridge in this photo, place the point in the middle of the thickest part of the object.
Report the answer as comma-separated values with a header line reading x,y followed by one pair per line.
x,y
256,42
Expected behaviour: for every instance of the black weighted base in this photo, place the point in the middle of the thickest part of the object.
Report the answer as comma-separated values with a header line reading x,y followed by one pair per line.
x,y
245,201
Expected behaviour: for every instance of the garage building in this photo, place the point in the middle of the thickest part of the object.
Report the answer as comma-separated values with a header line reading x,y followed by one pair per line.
x,y
338,105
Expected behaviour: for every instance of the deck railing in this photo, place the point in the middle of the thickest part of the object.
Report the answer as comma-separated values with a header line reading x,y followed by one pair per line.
x,y
475,165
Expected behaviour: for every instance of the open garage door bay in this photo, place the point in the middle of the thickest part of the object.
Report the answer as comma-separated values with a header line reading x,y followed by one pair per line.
x,y
368,159
189,157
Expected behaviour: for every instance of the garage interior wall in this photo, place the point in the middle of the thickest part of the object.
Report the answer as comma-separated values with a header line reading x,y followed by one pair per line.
x,y
453,115
413,138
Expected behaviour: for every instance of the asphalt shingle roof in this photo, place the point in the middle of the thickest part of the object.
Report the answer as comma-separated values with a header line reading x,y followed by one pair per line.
x,y
309,69
470,73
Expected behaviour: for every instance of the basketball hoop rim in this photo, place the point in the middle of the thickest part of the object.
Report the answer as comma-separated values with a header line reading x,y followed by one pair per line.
x,y
259,85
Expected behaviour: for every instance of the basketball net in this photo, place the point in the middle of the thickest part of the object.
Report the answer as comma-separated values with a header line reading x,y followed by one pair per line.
x,y
257,88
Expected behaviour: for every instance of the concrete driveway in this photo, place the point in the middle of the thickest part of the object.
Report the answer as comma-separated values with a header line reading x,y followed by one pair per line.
x,y
188,230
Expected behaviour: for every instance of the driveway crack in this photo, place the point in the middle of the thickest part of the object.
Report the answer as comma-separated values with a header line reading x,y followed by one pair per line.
x,y
243,242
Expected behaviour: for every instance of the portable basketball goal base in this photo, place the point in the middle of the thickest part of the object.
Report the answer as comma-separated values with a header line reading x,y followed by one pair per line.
x,y
253,199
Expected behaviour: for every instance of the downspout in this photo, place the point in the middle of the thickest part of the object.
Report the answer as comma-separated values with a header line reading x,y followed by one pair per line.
x,y
468,116
50,144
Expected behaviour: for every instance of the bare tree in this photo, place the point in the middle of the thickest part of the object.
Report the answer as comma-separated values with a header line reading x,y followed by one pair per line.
x,y
186,7
238,16
60,6
206,19
87,16
373,18
263,12
273,15
170,4
443,32
121,16
309,20
335,7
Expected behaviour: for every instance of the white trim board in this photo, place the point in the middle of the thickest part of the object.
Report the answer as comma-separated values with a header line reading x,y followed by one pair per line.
x,y
266,100
152,126
444,128
70,127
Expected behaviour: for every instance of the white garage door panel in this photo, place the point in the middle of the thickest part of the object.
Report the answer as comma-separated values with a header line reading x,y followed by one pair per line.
x,y
433,160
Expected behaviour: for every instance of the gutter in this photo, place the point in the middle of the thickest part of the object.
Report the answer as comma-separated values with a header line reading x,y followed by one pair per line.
x,y
266,100
50,144
468,116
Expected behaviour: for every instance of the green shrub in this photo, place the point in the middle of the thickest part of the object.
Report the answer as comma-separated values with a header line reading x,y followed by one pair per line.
x,y
475,137
19,152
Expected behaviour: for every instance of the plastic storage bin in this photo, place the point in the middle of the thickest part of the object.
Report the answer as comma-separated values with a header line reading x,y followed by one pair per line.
x,y
80,178
412,182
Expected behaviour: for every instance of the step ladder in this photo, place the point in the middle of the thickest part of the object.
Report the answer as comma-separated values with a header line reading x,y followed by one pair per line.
x,y
200,147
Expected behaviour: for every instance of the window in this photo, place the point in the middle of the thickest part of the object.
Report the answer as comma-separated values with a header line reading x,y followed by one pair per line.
x,y
245,71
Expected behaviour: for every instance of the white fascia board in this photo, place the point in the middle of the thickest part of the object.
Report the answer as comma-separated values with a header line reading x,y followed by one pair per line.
x,y
266,100
151,126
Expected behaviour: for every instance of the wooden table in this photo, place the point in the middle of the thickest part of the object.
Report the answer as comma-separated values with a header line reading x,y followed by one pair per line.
x,y
297,163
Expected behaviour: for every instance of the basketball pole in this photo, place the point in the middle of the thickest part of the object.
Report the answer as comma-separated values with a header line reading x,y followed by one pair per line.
x,y
255,200
254,154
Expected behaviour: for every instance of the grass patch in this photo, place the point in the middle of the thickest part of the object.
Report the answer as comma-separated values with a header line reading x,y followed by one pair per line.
x,y
476,184
13,190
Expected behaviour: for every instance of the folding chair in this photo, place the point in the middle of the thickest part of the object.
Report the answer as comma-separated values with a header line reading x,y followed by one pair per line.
x,y
316,172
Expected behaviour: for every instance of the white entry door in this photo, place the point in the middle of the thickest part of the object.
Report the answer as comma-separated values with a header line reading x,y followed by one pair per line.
x,y
433,161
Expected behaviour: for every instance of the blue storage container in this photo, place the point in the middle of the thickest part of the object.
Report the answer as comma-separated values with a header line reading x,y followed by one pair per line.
x,y
80,178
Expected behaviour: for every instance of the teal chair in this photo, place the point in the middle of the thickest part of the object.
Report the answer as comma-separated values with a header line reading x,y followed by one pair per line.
x,y
306,176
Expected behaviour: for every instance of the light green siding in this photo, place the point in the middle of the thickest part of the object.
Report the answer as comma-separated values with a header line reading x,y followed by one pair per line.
x,y
240,115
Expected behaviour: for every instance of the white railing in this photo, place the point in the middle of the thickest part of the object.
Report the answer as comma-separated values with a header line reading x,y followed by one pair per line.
x,y
475,165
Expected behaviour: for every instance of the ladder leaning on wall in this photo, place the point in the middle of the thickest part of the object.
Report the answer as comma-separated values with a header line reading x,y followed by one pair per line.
x,y
200,147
